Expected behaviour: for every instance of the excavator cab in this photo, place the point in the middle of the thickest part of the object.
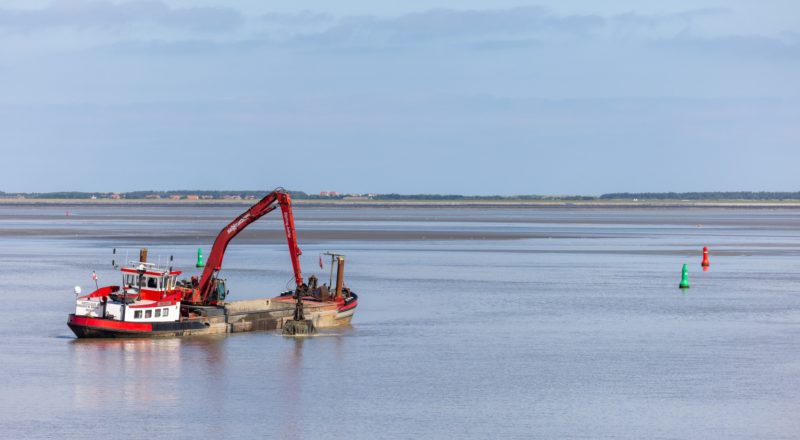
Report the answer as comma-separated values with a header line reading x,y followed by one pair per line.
x,y
218,291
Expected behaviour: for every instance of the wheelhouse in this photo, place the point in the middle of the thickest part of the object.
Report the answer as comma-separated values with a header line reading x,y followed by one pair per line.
x,y
148,280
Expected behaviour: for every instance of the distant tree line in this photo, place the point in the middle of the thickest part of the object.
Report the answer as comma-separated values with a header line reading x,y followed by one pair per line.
x,y
467,198
53,195
431,197
737,195
134,195
207,193
300,195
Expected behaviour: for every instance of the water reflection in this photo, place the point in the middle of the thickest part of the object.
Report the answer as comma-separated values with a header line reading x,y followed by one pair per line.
x,y
302,379
129,373
292,389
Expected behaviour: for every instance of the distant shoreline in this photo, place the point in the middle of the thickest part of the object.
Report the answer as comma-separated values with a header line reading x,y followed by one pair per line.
x,y
661,203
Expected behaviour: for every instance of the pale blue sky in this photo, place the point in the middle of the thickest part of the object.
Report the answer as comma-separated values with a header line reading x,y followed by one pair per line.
x,y
465,97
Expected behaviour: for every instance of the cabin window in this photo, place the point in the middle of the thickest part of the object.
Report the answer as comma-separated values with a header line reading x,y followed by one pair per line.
x,y
152,283
137,314
129,280
164,312
148,314
158,313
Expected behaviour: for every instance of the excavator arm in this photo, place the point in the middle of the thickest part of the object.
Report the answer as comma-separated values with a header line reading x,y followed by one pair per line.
x,y
270,202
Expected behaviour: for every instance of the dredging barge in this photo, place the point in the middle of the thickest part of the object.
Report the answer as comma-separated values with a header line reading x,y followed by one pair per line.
x,y
153,302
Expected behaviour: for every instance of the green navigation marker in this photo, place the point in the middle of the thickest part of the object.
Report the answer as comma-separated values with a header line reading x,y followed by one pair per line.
x,y
684,277
201,264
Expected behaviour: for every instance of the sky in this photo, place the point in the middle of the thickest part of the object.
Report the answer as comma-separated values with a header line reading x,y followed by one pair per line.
x,y
457,97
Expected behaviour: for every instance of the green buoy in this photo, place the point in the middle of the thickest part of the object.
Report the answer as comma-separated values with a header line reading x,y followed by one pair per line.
x,y
684,277
200,258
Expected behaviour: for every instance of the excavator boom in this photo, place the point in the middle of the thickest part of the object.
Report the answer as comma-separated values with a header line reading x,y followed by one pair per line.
x,y
279,197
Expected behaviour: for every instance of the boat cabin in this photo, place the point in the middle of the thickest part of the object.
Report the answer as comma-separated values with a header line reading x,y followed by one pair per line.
x,y
148,280
147,294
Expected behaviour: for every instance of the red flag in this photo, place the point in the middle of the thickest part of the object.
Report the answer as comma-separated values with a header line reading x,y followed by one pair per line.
x,y
320,262
94,276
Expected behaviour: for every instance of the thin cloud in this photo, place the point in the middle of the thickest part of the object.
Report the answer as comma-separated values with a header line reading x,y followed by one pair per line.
x,y
633,23
752,46
301,19
484,29
87,14
524,28
450,25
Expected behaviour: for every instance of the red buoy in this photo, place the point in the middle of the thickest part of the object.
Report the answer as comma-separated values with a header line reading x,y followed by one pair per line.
x,y
705,262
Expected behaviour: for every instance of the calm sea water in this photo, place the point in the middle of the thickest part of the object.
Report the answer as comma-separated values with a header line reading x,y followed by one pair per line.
x,y
473,323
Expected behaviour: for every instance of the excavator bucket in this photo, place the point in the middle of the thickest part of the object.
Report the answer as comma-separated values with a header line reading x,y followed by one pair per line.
x,y
299,328
299,325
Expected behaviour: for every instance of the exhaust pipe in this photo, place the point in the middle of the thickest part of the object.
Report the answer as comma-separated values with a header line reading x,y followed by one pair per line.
x,y
339,277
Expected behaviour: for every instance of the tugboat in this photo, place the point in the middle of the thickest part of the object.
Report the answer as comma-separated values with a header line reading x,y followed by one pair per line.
x,y
152,302
147,302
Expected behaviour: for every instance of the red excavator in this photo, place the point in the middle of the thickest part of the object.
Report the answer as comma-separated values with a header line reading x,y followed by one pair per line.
x,y
152,302
210,290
